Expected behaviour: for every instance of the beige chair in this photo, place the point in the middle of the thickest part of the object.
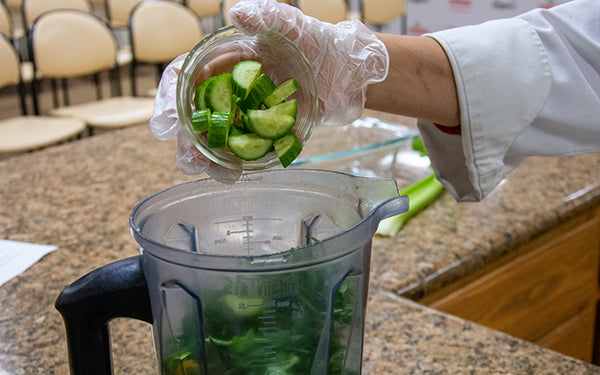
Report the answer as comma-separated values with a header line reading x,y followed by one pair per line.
x,y
118,11
228,4
32,9
204,8
6,21
68,44
161,30
14,5
7,27
380,12
332,11
207,10
25,133
15,8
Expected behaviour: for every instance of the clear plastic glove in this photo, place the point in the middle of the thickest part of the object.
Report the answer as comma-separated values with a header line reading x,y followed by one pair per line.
x,y
346,57
165,125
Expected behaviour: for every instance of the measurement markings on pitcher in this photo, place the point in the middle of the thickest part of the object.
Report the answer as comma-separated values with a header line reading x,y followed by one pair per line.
x,y
268,325
243,229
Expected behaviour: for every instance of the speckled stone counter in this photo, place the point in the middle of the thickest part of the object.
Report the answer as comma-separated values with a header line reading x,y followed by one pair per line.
x,y
449,240
78,196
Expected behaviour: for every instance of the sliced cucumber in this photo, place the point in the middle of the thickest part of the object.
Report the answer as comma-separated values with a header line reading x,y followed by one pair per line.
x,y
234,105
200,96
243,74
262,87
218,131
201,119
249,146
281,92
229,111
274,122
236,130
244,119
288,148
219,94
241,105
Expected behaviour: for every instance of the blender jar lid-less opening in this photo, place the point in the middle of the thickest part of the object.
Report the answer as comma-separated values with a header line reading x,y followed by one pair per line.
x,y
153,219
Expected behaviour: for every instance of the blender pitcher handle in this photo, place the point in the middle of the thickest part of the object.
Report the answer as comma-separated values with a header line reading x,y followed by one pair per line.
x,y
116,290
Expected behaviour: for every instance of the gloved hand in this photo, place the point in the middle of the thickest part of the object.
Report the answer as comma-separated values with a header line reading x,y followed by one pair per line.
x,y
346,58
165,125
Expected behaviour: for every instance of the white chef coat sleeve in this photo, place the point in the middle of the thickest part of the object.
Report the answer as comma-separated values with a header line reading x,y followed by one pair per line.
x,y
526,86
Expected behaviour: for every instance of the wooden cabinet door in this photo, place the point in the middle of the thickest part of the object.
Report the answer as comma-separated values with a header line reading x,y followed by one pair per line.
x,y
534,296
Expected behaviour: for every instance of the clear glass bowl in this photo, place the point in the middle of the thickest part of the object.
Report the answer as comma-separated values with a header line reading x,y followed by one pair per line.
x,y
218,53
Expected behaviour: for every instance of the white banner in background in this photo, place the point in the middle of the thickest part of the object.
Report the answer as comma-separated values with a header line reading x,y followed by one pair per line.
x,y
424,16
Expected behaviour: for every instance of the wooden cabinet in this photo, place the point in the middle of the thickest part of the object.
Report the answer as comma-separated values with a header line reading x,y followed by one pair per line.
x,y
545,292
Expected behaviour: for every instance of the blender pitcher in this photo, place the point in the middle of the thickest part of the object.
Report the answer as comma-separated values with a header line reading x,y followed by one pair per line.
x,y
268,276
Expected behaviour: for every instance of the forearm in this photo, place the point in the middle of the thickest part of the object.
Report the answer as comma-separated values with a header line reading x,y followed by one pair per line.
x,y
420,82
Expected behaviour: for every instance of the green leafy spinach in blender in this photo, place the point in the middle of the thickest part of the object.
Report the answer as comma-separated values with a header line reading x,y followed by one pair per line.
x,y
279,334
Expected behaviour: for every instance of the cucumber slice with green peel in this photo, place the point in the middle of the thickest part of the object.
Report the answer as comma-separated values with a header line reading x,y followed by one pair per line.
x,y
219,93
200,96
241,105
243,74
201,119
218,131
260,88
274,122
281,92
236,130
249,146
229,111
245,121
234,106
288,148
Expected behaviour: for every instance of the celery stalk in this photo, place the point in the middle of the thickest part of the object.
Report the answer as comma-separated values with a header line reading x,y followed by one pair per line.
x,y
420,195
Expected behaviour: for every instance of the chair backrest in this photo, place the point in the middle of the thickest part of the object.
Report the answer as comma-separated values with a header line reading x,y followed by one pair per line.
x,y
204,8
9,61
6,23
14,5
162,30
228,4
379,12
70,43
332,11
32,9
118,11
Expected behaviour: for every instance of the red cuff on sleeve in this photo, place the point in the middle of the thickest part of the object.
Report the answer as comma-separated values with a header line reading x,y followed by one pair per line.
x,y
454,130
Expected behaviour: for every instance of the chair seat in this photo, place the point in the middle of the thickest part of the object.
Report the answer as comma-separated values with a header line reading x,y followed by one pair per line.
x,y
26,133
114,112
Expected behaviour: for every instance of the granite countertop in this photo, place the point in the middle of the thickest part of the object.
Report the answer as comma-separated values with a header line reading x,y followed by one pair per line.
x,y
78,196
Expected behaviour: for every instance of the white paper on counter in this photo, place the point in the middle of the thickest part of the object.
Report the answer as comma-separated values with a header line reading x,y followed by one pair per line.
x,y
16,257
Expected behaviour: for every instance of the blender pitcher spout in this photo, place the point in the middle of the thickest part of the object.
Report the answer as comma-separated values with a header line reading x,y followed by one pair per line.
x,y
389,208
